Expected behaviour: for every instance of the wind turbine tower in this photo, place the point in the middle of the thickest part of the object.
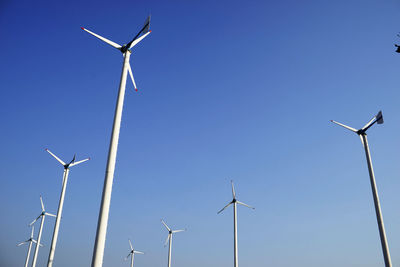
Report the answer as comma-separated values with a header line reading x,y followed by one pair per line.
x,y
98,252
60,204
234,202
169,240
362,133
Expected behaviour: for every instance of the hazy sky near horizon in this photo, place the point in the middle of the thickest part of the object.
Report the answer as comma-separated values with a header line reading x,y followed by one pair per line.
x,y
240,90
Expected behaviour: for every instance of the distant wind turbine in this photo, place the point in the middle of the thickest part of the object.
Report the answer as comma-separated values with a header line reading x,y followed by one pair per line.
x,y
98,252
362,133
42,215
234,202
169,239
60,204
30,241
132,253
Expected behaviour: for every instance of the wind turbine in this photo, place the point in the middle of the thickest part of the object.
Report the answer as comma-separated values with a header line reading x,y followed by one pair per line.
x,y
98,252
43,216
30,240
132,253
363,136
169,238
61,203
235,202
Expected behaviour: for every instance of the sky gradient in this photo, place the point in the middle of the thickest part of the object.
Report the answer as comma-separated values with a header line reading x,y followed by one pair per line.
x,y
227,90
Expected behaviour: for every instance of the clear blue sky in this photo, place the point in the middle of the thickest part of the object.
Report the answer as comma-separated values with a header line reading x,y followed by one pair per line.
x,y
240,90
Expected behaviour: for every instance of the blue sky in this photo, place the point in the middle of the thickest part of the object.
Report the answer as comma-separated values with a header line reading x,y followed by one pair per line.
x,y
227,90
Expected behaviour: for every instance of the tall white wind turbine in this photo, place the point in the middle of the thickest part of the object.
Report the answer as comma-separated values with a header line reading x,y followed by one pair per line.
x,y
42,216
363,136
235,202
98,252
132,253
29,241
61,203
169,239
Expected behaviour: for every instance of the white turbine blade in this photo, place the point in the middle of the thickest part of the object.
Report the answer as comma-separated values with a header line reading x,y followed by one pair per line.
x,y
49,214
115,45
130,73
166,226
233,190
78,162
345,126
33,228
130,244
20,244
362,140
166,241
34,241
41,202
35,220
177,231
54,156
139,39
224,207
244,204
368,124
128,255
138,252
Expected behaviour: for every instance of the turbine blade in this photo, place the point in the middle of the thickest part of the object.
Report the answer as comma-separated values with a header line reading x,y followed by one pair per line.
x,y
73,160
138,252
54,156
20,244
362,140
130,244
369,124
34,241
166,226
130,73
35,220
128,255
41,202
145,28
233,190
78,162
49,214
224,207
177,231
379,117
33,228
115,45
345,126
244,204
136,41
166,241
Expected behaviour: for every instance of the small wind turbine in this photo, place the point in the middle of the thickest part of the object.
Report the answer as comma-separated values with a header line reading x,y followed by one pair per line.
x,y
235,202
43,216
363,136
132,253
169,239
30,240
60,204
98,252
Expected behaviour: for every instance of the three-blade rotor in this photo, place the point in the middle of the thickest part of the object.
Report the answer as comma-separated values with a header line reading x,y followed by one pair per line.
x,y
234,200
170,232
378,118
43,213
71,163
132,250
127,48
